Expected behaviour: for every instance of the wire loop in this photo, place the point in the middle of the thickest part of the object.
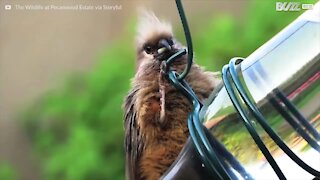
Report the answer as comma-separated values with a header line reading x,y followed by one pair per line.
x,y
213,160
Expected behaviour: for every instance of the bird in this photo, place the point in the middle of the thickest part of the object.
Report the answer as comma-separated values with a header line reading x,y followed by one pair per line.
x,y
155,112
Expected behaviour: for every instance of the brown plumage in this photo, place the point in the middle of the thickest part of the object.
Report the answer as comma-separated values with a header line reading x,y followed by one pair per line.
x,y
152,143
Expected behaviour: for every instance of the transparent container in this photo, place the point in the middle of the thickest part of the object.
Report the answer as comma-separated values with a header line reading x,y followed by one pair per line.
x,y
282,74
281,79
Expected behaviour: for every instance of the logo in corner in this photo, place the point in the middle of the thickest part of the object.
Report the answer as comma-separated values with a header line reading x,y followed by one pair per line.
x,y
292,6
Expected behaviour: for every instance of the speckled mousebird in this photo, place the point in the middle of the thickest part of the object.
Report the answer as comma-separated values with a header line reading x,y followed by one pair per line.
x,y
156,122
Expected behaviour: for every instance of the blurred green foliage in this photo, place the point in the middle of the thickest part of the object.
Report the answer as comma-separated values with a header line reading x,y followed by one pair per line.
x,y
77,129
7,171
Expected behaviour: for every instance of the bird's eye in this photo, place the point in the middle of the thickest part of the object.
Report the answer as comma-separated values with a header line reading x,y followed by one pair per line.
x,y
170,41
147,49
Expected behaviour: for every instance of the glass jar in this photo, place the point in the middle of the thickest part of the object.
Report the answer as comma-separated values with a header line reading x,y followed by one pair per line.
x,y
275,93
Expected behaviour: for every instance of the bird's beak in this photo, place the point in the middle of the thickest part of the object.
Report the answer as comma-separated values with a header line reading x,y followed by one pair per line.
x,y
164,46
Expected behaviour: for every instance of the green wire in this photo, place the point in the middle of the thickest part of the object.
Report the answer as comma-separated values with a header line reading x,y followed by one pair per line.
x,y
247,122
260,118
188,39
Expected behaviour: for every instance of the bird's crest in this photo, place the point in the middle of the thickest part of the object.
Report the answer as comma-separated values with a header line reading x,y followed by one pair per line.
x,y
149,26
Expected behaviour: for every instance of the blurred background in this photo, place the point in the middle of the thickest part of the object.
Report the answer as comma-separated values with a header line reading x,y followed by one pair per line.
x,y
64,74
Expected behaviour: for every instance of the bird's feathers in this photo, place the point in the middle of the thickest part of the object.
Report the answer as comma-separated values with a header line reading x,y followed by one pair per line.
x,y
151,147
133,143
149,26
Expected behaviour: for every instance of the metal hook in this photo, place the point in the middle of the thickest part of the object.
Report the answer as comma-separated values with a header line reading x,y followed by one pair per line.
x,y
182,52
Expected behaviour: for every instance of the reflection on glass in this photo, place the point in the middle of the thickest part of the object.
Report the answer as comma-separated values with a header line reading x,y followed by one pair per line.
x,y
283,81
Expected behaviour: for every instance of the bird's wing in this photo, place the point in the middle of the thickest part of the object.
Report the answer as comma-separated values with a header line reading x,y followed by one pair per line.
x,y
133,142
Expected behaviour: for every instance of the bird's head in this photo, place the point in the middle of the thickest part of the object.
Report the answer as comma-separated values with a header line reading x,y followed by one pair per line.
x,y
155,40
